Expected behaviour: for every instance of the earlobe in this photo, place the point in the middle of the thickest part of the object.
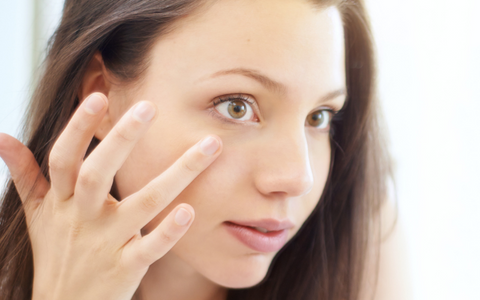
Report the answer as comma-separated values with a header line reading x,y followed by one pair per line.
x,y
104,128
94,80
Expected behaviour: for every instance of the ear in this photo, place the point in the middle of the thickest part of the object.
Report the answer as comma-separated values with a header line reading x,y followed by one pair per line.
x,y
97,79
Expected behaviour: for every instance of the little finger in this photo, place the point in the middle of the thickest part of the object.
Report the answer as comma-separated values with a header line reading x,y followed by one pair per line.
x,y
151,247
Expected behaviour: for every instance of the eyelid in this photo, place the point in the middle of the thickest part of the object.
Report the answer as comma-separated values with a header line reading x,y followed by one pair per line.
x,y
249,99
331,109
231,97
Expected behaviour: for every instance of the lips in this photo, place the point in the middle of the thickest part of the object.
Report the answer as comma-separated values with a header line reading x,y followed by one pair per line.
x,y
268,224
267,235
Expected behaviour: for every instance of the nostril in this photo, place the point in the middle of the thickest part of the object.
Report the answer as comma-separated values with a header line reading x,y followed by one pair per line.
x,y
284,166
284,185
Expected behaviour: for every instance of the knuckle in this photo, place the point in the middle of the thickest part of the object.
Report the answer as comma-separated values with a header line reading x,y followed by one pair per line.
x,y
191,165
76,230
145,256
166,238
89,177
99,247
151,199
79,126
57,161
130,258
124,134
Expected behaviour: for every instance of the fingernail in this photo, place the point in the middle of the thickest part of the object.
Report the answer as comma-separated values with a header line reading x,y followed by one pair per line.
x,y
144,112
94,104
209,146
182,217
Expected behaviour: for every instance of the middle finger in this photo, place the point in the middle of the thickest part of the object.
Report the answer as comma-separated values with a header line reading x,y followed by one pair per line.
x,y
97,172
138,209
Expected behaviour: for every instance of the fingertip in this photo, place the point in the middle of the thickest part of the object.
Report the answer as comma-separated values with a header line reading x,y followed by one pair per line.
x,y
7,142
184,214
101,95
3,140
220,143
95,103
144,111
188,207
211,145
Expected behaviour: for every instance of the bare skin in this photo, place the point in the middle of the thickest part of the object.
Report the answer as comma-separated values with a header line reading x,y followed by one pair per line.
x,y
77,229
251,179
135,245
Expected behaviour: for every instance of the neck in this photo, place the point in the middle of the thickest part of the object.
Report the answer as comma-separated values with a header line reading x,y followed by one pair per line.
x,y
170,278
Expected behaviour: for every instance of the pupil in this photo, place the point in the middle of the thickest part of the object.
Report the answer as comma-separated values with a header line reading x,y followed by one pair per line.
x,y
237,109
316,119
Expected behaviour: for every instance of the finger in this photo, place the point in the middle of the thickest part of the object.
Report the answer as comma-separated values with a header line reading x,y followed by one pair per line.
x,y
141,207
26,174
69,150
143,252
96,174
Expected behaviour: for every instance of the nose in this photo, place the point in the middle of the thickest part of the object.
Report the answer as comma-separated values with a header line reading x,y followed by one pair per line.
x,y
283,164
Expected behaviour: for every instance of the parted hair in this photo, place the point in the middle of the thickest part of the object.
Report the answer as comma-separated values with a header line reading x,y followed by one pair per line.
x,y
326,259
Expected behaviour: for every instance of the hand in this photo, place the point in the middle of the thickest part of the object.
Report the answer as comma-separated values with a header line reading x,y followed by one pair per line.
x,y
86,244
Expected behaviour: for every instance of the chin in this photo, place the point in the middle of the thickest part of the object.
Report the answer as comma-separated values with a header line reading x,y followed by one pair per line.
x,y
239,282
242,274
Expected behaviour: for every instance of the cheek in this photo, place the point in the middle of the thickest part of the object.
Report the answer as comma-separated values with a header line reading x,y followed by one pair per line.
x,y
146,161
210,193
157,151
215,193
320,160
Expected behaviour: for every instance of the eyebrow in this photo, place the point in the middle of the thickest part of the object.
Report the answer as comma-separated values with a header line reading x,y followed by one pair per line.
x,y
270,84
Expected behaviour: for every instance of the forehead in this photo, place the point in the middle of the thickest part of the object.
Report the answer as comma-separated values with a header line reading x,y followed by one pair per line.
x,y
288,40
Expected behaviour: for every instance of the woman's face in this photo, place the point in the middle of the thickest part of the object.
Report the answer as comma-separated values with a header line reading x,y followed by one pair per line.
x,y
288,60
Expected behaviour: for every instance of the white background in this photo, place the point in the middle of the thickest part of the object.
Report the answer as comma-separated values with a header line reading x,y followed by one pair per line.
x,y
429,83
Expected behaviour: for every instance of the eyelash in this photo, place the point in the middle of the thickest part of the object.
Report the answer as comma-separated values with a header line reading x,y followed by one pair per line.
x,y
230,98
246,99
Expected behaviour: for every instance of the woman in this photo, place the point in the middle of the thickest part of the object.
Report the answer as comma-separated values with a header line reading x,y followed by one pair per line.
x,y
198,150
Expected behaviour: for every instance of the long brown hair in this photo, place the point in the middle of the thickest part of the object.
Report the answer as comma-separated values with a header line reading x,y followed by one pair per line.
x,y
326,259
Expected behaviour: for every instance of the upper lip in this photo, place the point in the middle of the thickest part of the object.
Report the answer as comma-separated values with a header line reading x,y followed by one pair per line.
x,y
268,224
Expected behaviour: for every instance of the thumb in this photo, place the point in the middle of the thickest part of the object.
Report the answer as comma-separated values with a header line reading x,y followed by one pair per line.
x,y
26,174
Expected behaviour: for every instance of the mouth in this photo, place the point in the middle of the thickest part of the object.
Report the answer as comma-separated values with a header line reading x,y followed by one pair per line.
x,y
262,236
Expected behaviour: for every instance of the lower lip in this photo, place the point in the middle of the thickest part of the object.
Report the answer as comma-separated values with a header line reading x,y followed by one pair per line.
x,y
256,240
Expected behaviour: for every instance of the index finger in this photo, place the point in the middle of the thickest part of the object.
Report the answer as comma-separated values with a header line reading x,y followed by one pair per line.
x,y
69,150
141,207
